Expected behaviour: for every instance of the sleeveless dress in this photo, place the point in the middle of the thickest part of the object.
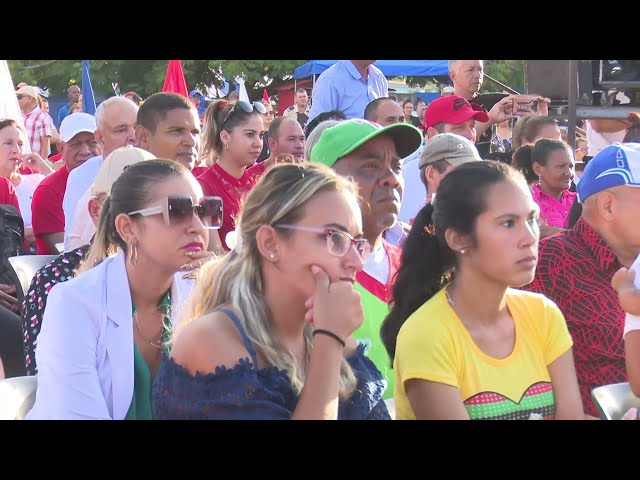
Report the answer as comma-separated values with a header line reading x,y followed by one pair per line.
x,y
246,392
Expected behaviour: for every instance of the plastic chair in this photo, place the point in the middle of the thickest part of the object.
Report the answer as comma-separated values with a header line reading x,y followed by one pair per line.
x,y
17,396
614,400
26,267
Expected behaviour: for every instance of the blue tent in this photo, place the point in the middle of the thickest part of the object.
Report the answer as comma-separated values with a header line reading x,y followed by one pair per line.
x,y
390,68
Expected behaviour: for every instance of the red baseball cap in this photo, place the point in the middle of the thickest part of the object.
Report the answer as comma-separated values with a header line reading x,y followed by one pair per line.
x,y
452,109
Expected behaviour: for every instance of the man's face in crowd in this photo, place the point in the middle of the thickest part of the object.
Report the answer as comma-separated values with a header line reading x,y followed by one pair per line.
x,y
468,75
377,169
388,113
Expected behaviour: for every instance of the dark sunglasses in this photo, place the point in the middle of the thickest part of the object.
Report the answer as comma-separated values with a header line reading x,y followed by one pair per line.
x,y
21,96
245,107
180,209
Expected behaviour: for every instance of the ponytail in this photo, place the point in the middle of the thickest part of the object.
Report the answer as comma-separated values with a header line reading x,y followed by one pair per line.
x,y
426,266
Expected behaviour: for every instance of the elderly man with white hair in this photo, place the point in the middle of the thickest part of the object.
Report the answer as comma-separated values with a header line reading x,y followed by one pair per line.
x,y
115,122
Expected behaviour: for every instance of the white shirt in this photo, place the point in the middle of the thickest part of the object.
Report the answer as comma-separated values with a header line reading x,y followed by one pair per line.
x,y
377,265
414,194
82,228
395,235
597,141
24,192
80,178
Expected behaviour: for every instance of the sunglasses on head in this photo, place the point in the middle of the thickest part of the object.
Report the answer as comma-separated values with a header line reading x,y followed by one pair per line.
x,y
245,107
179,209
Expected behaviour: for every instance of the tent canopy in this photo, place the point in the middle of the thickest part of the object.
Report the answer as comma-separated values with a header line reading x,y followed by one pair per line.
x,y
390,68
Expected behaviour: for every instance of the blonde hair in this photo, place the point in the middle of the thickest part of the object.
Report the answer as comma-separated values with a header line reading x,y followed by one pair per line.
x,y
236,279
130,192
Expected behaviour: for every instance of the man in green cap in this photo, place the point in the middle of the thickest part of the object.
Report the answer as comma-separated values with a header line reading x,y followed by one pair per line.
x,y
372,156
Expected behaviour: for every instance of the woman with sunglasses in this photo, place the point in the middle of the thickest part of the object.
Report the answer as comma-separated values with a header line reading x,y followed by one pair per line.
x,y
104,332
275,341
233,137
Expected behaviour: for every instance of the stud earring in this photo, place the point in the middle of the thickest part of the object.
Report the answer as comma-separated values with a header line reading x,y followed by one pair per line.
x,y
124,238
462,251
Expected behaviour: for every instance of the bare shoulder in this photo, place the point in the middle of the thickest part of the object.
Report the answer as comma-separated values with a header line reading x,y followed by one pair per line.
x,y
208,342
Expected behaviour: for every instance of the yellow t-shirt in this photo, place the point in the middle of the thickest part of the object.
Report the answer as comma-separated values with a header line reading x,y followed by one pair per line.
x,y
434,345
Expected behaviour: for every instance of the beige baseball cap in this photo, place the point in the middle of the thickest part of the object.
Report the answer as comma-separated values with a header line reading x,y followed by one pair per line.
x,y
27,90
453,148
116,163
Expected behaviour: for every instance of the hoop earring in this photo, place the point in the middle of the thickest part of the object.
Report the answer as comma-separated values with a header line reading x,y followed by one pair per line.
x,y
132,253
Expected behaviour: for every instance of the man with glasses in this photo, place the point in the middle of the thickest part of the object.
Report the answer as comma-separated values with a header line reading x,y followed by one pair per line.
x,y
77,145
268,118
38,124
371,156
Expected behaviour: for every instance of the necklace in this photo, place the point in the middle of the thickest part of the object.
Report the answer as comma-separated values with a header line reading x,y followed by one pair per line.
x,y
153,344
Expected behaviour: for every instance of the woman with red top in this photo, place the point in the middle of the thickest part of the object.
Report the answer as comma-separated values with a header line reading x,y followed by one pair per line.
x,y
12,160
552,162
233,138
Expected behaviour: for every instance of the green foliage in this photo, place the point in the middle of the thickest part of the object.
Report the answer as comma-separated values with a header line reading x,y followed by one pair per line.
x,y
147,76
508,72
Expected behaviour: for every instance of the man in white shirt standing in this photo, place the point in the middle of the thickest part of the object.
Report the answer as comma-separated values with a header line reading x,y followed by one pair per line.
x,y
115,121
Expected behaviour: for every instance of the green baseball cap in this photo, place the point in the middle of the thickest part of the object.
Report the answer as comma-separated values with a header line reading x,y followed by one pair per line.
x,y
343,138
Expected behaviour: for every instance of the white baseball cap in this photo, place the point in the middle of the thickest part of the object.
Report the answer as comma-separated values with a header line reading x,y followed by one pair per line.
x,y
76,123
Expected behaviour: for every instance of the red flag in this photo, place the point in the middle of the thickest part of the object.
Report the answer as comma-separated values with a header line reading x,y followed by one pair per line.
x,y
265,96
174,81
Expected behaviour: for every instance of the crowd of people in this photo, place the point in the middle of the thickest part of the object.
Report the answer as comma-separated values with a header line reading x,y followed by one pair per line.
x,y
358,257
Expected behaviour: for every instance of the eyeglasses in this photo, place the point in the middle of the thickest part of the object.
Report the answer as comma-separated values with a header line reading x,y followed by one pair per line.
x,y
270,113
338,242
20,97
246,107
179,210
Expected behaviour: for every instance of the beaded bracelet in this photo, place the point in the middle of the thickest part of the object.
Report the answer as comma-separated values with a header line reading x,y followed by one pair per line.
x,y
329,334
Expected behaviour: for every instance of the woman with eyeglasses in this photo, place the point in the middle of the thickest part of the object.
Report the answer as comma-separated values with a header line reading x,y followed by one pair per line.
x,y
105,332
267,331
233,138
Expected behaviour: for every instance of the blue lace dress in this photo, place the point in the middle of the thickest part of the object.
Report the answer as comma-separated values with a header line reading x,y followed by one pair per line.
x,y
242,392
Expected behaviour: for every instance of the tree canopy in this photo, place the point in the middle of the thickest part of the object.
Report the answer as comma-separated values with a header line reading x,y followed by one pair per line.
x,y
147,76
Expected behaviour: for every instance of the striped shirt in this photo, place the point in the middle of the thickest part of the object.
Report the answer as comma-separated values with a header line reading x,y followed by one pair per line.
x,y
37,124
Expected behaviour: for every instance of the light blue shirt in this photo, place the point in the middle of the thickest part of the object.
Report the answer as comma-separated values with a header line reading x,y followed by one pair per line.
x,y
341,87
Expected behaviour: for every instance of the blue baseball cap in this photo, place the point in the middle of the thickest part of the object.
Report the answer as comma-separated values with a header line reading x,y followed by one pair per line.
x,y
616,164
193,93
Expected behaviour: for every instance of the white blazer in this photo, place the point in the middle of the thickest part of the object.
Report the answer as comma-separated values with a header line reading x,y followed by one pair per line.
x,y
85,347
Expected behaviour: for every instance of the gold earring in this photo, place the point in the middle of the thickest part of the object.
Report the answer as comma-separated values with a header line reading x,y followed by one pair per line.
x,y
133,255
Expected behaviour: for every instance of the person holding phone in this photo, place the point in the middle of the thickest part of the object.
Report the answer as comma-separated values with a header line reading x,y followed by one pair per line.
x,y
105,332
268,331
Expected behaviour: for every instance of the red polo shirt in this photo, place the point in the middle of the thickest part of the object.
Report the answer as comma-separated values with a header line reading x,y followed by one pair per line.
x,y
217,182
47,215
575,270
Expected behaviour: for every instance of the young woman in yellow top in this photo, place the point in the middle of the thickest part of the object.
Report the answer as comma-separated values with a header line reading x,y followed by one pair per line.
x,y
465,344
